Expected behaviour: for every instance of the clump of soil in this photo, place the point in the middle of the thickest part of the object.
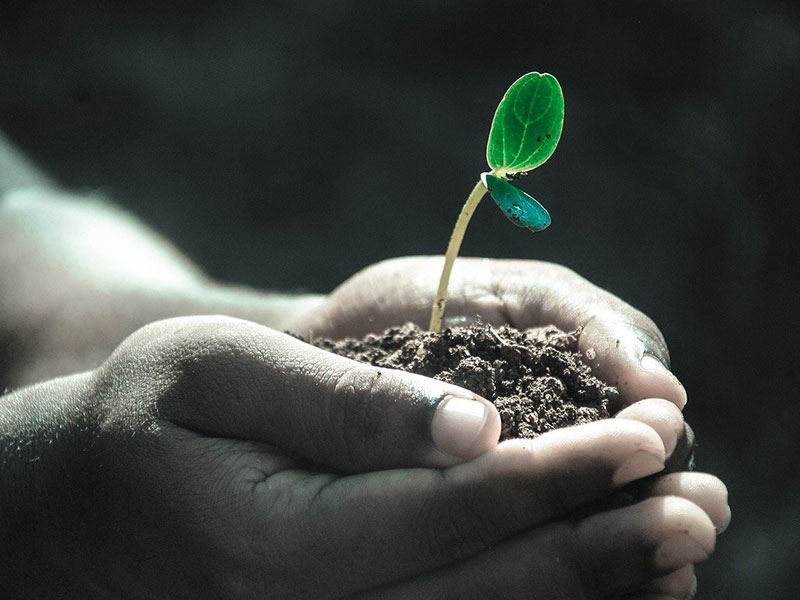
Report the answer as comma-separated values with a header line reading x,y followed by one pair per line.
x,y
534,377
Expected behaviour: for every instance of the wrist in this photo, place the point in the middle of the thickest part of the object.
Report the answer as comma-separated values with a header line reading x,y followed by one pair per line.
x,y
272,309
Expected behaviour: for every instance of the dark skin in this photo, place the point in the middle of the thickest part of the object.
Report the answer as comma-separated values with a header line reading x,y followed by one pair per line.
x,y
151,452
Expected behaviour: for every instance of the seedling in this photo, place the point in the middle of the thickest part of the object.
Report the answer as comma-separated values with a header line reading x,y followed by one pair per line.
x,y
525,131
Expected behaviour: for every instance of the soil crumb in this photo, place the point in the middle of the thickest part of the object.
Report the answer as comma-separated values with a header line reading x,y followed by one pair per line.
x,y
534,377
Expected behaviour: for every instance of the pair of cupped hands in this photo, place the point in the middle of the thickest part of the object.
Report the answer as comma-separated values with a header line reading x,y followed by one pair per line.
x,y
230,460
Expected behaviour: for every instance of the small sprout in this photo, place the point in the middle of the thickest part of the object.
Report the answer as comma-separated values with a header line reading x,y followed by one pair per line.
x,y
525,132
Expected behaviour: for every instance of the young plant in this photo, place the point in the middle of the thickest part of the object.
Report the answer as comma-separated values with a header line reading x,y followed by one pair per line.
x,y
525,131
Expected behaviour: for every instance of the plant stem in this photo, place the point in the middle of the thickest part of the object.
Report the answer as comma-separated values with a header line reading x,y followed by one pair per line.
x,y
437,310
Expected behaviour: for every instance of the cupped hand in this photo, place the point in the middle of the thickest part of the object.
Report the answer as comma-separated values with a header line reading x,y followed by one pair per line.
x,y
622,345
230,461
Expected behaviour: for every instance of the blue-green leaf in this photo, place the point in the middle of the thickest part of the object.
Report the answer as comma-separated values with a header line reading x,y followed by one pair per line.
x,y
519,207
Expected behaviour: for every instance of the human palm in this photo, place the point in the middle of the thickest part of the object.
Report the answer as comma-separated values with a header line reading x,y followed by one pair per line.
x,y
622,345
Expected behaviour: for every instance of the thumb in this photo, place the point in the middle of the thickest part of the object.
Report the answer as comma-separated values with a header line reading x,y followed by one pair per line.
x,y
239,379
631,355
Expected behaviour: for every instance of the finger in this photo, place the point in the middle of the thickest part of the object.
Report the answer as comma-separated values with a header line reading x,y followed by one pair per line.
x,y
231,378
663,416
682,458
609,553
622,354
400,523
705,490
681,583
667,420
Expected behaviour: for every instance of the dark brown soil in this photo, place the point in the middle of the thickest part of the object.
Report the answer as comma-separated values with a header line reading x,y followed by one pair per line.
x,y
534,377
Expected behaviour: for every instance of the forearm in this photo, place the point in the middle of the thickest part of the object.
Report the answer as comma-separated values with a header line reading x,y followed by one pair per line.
x,y
77,276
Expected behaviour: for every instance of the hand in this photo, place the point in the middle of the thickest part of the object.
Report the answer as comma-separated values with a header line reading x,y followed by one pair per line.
x,y
215,458
622,345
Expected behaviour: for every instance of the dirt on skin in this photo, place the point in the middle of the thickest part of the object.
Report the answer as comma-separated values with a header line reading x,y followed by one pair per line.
x,y
534,377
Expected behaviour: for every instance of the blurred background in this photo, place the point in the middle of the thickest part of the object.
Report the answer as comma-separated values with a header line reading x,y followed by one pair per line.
x,y
288,144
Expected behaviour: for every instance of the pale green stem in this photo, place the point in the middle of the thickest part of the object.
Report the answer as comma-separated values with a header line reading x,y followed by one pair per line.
x,y
437,310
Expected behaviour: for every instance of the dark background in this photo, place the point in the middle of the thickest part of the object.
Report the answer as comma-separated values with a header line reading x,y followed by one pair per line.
x,y
288,144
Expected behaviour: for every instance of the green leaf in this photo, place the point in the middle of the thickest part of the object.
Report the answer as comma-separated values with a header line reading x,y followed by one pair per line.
x,y
527,125
520,208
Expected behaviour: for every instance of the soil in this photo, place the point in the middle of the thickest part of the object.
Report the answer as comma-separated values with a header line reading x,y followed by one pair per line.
x,y
535,377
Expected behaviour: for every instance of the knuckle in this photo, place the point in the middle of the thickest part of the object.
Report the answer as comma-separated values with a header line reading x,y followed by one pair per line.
x,y
171,363
379,268
558,493
563,272
584,566
176,341
355,414
394,263
455,530
648,329
644,330
552,271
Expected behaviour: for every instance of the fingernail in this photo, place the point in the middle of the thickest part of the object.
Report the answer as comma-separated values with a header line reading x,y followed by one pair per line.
x,y
726,520
670,439
669,436
641,464
652,364
457,424
679,550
